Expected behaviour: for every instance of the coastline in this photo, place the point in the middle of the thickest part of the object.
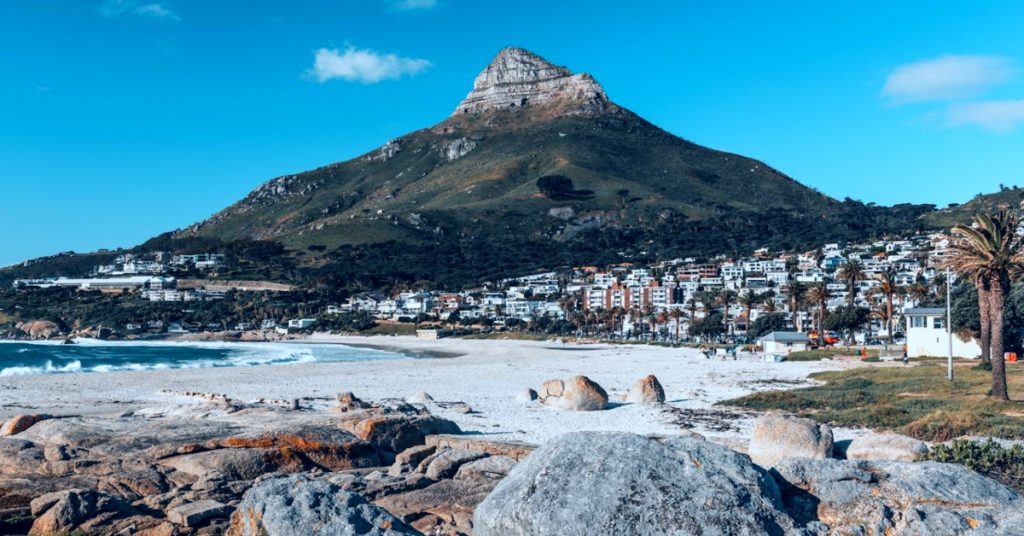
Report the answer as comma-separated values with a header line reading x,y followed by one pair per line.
x,y
485,375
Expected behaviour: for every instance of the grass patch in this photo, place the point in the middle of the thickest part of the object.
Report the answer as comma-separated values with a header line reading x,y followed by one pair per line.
x,y
817,355
917,401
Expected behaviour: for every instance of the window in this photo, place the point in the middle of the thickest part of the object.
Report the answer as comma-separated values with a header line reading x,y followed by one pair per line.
x,y
937,323
917,322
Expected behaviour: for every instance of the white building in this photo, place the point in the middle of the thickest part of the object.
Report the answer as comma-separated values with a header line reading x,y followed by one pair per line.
x,y
927,335
784,342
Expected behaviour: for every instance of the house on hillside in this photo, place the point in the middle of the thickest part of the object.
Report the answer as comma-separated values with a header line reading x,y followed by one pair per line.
x,y
784,342
927,335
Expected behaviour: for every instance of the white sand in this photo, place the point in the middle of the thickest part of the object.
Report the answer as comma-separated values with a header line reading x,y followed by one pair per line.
x,y
487,377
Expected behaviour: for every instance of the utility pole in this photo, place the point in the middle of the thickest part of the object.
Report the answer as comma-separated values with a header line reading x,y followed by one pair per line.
x,y
949,327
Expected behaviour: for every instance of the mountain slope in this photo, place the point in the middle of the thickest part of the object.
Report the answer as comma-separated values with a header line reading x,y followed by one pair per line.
x,y
475,175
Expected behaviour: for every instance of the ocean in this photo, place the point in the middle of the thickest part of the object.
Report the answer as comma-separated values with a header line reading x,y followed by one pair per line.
x,y
22,358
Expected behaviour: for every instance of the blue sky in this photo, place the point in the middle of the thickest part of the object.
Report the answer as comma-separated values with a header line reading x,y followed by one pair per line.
x,y
122,119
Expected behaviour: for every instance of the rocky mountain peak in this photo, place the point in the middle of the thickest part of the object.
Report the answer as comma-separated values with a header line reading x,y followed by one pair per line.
x,y
518,78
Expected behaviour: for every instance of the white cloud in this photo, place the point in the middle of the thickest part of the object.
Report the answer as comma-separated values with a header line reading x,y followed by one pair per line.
x,y
149,10
362,65
998,116
411,5
947,77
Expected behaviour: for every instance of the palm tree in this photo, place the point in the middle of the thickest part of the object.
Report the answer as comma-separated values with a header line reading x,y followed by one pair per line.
x,y
888,288
768,302
819,294
918,292
676,314
691,309
990,252
796,291
725,299
850,273
747,300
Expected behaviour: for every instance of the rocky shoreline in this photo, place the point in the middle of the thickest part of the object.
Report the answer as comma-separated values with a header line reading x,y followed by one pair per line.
x,y
207,464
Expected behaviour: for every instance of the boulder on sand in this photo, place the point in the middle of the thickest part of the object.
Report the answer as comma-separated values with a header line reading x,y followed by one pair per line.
x,y
420,398
395,432
778,437
580,394
299,506
646,390
19,424
886,446
611,483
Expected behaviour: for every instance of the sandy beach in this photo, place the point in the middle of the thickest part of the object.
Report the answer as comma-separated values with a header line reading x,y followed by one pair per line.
x,y
485,374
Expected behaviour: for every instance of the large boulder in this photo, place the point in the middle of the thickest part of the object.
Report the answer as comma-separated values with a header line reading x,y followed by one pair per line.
x,y
610,483
646,390
302,506
865,497
39,329
580,394
396,432
778,437
19,423
886,446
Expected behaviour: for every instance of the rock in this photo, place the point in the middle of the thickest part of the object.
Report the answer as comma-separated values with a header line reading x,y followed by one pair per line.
x,y
610,483
457,148
397,432
452,501
230,464
420,398
551,389
19,424
778,437
517,78
300,446
883,497
39,329
193,514
68,510
646,390
489,468
446,462
580,394
348,402
409,458
526,396
56,453
886,447
298,506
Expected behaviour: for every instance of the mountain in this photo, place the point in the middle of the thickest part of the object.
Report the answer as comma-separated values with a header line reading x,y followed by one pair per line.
x,y
536,168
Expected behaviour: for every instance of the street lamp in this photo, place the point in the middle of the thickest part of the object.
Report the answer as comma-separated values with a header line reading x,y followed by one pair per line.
x,y
949,327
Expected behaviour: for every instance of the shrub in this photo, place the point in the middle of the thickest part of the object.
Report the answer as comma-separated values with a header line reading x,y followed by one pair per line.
x,y
1005,465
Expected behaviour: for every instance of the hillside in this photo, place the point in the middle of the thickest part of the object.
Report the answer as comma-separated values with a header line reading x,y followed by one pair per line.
x,y
464,192
1011,197
536,168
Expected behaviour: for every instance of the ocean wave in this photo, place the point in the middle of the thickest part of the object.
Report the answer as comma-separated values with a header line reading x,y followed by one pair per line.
x,y
48,368
102,356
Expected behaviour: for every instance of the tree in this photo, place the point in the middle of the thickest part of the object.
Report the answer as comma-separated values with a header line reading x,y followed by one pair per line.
x,y
888,288
847,319
555,186
850,273
989,253
796,291
747,300
819,294
709,327
676,315
766,324
724,300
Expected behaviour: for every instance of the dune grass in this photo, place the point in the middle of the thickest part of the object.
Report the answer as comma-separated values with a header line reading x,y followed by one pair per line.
x,y
917,401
